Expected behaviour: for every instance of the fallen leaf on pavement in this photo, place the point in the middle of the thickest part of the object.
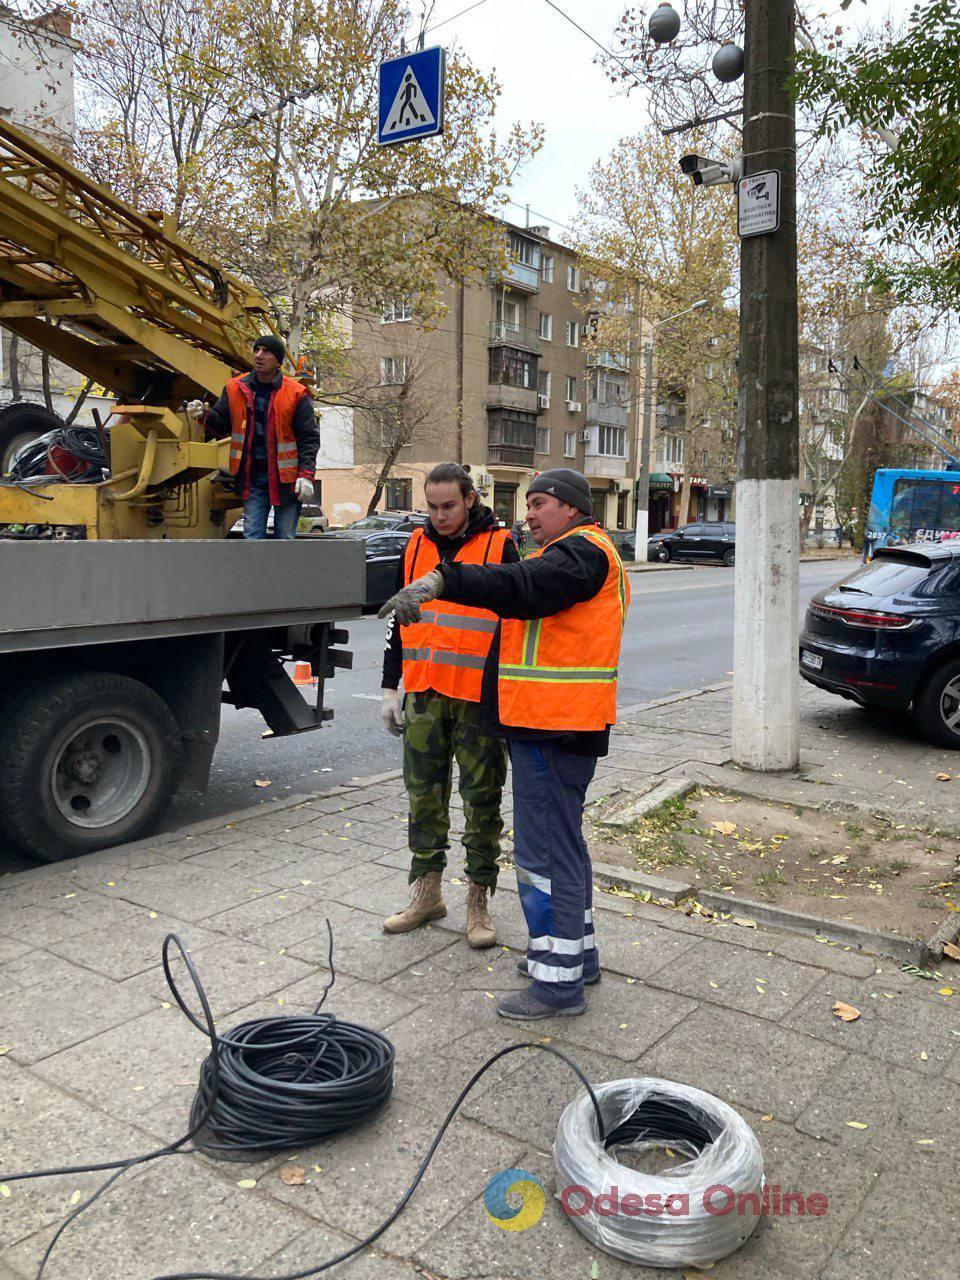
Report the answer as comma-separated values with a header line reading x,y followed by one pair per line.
x,y
943,777
262,782
856,1124
945,991
725,828
767,1118
5,1048
293,1175
846,1012
744,922
952,950
924,1056
247,1183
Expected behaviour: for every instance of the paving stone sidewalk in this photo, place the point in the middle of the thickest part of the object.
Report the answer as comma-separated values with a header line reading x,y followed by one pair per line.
x,y
95,1063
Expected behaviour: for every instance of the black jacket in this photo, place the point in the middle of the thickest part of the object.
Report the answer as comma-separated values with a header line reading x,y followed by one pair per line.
x,y
482,520
568,573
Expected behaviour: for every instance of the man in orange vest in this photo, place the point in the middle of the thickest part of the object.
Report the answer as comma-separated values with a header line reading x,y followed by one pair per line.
x,y
441,658
550,688
273,440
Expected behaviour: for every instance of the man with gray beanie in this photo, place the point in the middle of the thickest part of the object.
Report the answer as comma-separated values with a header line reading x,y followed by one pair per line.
x,y
273,440
550,688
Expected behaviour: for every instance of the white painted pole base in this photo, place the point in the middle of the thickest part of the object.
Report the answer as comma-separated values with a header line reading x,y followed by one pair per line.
x,y
642,534
767,586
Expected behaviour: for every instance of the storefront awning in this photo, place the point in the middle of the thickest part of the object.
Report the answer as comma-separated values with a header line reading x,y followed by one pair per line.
x,y
660,480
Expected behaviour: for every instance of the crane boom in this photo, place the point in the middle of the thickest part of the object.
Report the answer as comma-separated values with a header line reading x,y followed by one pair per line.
x,y
115,293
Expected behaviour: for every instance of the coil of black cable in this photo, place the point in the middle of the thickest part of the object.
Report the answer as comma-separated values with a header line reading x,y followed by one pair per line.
x,y
288,1082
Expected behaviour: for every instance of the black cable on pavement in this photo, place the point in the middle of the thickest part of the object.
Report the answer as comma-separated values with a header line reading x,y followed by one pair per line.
x,y
276,1083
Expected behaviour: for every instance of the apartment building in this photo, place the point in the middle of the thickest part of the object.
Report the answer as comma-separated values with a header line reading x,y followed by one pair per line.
x,y
511,382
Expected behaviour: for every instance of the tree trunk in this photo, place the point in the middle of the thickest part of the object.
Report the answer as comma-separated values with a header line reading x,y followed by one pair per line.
x,y
45,380
806,515
385,469
684,513
78,403
14,357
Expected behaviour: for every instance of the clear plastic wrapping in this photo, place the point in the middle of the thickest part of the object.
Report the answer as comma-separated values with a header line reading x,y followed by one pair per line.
x,y
690,1214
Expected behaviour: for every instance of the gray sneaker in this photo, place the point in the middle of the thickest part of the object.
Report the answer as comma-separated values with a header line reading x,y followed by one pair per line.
x,y
525,973
523,1006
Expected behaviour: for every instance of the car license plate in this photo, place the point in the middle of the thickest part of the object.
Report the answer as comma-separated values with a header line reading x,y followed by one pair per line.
x,y
811,659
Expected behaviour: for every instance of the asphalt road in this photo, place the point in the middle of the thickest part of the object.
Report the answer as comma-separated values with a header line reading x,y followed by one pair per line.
x,y
679,636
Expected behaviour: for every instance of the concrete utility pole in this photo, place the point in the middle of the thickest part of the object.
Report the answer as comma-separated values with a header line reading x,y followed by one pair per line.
x,y
765,705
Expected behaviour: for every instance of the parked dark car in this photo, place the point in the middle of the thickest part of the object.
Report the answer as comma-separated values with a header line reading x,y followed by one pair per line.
x,y
383,520
384,550
888,635
706,540
625,540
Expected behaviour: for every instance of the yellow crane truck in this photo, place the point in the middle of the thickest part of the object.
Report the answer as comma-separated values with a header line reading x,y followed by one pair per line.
x,y
126,615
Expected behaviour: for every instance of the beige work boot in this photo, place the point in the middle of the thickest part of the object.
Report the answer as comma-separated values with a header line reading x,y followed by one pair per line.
x,y
426,903
480,930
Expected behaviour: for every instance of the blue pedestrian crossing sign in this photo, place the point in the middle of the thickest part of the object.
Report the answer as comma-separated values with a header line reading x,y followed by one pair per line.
x,y
411,96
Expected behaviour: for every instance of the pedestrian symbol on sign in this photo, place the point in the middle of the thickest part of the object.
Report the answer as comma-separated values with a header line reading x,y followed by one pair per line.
x,y
410,101
409,106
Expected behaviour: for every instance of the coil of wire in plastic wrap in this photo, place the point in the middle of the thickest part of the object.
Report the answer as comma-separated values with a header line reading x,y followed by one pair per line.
x,y
701,1221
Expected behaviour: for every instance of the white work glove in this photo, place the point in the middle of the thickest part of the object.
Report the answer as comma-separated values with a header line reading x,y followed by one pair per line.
x,y
303,489
406,603
196,410
390,711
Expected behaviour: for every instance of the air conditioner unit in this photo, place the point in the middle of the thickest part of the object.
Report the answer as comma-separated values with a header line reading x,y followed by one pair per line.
x,y
574,406
584,436
484,480
543,402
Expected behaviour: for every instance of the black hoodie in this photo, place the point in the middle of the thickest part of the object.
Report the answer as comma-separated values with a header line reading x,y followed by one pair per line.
x,y
482,520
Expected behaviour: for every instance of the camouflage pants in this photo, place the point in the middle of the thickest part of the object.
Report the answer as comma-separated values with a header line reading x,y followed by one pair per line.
x,y
438,731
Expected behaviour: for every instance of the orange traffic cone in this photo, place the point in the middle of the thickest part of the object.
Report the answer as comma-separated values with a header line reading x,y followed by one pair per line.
x,y
302,674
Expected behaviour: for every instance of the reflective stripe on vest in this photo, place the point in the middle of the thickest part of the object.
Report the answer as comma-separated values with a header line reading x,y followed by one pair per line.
x,y
560,673
280,415
447,649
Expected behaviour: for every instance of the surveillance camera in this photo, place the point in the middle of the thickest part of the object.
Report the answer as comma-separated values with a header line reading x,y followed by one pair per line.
x,y
711,173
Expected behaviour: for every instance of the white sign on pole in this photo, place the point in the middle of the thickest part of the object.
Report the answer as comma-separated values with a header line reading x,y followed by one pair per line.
x,y
758,203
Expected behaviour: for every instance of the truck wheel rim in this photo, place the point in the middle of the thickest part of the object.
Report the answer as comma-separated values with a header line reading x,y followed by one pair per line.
x,y
950,705
13,447
101,773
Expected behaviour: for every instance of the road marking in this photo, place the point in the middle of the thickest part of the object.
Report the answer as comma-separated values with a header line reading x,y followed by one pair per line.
x,y
367,697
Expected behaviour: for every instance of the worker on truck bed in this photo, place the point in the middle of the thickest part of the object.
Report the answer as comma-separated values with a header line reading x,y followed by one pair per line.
x,y
441,658
273,440
550,686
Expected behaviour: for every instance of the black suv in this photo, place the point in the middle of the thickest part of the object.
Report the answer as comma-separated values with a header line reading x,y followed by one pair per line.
x,y
708,540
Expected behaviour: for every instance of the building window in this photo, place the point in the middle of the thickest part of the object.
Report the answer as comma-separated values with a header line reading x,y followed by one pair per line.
x,y
573,333
571,389
513,428
393,370
524,250
543,439
608,389
569,444
396,309
399,495
573,279
514,368
613,442
673,448
544,382
546,327
547,269
704,457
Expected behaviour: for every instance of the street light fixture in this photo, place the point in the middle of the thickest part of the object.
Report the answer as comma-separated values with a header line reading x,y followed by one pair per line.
x,y
643,479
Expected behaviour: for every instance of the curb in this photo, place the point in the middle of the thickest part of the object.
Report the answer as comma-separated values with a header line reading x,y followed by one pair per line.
x,y
642,566
684,696
658,795
659,887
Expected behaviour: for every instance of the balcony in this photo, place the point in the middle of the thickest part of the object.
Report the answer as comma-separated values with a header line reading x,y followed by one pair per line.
x,y
599,464
519,275
503,395
608,360
608,415
511,442
513,335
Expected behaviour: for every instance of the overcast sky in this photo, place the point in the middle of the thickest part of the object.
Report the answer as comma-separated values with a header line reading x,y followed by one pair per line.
x,y
548,73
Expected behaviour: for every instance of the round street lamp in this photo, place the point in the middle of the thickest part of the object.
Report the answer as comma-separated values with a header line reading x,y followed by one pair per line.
x,y
728,62
664,24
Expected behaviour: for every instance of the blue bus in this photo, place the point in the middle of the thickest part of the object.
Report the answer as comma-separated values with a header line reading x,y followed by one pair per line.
x,y
912,506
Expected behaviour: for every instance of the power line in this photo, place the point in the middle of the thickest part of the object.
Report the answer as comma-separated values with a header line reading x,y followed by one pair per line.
x,y
469,9
593,40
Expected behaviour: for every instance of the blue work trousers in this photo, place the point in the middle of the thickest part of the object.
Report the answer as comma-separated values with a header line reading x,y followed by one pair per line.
x,y
554,872
256,511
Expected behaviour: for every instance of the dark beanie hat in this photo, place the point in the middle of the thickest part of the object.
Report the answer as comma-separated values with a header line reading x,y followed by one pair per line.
x,y
270,342
569,486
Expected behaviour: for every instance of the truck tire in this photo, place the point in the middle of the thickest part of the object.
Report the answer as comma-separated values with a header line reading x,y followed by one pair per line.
x,y
86,761
938,703
20,423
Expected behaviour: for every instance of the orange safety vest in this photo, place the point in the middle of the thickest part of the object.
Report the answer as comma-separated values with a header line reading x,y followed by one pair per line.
x,y
283,406
446,651
560,673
